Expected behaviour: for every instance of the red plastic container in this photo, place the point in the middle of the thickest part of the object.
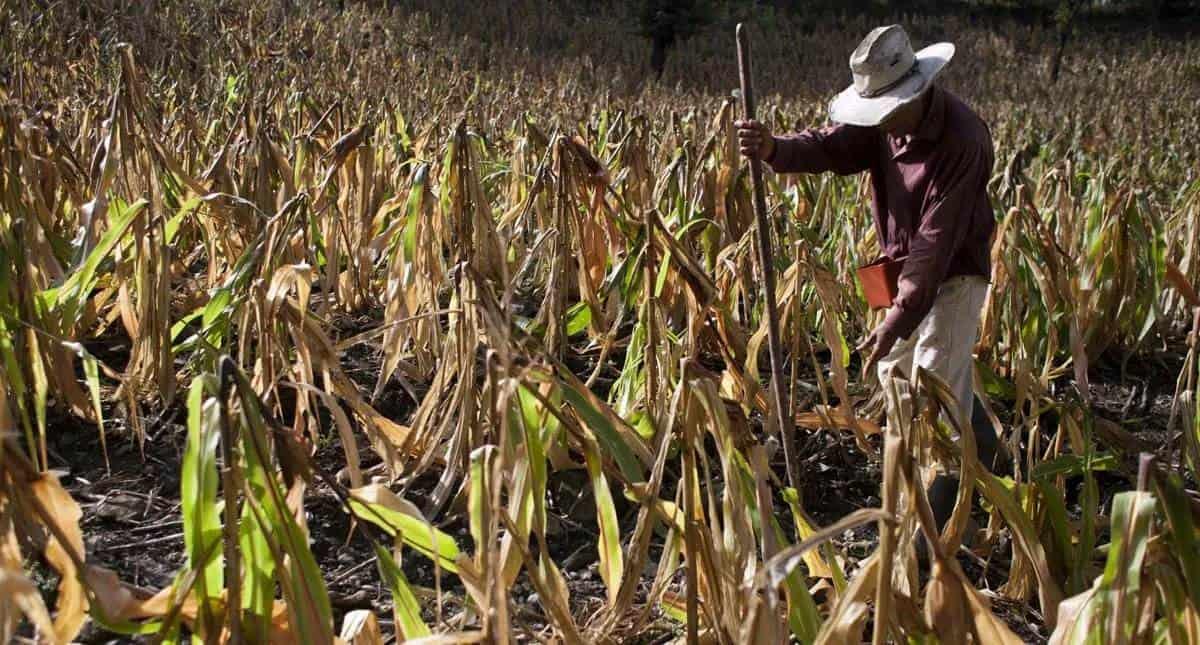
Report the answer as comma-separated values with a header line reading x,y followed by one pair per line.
x,y
879,279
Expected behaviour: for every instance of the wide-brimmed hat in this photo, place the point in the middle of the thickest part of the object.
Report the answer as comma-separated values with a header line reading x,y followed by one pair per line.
x,y
887,74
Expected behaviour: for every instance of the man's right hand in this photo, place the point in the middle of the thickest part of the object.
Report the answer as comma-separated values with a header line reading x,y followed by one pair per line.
x,y
754,139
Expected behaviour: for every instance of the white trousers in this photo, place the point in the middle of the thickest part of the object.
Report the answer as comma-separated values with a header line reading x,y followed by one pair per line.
x,y
944,341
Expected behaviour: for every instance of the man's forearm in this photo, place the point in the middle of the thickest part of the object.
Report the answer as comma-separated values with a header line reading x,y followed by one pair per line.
x,y
790,152
841,149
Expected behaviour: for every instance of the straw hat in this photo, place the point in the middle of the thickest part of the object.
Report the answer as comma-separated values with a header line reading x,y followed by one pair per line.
x,y
887,74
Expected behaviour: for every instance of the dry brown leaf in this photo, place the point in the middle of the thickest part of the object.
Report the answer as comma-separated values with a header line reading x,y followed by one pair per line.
x,y
822,417
65,514
849,616
114,599
19,596
945,605
1179,281
360,627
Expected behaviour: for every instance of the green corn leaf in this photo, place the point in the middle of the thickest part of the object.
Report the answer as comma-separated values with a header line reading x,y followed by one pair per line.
x,y
1180,622
1073,465
258,560
805,530
1026,537
579,316
91,374
407,610
1178,510
304,592
612,562
1056,512
172,226
75,290
200,505
299,576
16,381
478,499
182,324
541,429
1120,583
376,504
610,439
804,620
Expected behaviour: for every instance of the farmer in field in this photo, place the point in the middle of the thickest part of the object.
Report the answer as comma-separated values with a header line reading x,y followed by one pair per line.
x,y
929,157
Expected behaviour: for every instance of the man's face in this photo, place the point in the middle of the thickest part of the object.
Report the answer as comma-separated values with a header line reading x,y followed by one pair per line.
x,y
906,118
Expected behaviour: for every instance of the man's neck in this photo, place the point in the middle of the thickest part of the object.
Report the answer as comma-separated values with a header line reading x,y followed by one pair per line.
x,y
920,111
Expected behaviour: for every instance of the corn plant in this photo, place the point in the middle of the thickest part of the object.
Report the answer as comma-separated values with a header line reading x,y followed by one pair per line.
x,y
556,265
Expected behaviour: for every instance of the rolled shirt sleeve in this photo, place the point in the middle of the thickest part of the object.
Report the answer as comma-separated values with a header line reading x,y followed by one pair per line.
x,y
961,177
843,149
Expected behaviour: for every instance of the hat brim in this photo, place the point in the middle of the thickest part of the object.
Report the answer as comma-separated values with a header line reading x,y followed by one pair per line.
x,y
850,108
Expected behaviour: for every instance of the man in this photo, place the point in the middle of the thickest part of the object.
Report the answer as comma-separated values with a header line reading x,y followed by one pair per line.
x,y
929,158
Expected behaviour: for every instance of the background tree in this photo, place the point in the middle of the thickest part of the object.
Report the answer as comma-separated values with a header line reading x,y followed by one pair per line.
x,y
665,22
1064,16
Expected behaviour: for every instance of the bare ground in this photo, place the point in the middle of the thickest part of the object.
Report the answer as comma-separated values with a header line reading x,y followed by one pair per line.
x,y
132,519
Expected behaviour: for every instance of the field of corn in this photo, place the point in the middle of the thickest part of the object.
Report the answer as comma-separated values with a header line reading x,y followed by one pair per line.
x,y
443,322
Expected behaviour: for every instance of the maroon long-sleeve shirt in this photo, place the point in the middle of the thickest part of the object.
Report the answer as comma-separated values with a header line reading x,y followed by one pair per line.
x,y
929,200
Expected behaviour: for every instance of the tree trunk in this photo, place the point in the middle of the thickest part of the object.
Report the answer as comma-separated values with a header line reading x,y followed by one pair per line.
x,y
1063,36
658,55
1065,18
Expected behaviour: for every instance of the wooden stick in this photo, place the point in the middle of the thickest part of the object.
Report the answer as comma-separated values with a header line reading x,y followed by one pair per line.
x,y
689,526
766,261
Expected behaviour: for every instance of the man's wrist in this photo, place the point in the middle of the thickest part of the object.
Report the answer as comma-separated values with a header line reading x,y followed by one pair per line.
x,y
897,323
770,157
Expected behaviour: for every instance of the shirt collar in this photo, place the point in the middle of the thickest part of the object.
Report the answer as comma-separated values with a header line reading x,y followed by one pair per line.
x,y
930,128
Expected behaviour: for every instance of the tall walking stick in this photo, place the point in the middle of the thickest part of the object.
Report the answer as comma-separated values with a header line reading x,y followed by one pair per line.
x,y
766,261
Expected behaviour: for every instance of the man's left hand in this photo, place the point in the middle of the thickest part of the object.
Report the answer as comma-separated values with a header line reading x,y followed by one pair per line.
x,y
879,342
